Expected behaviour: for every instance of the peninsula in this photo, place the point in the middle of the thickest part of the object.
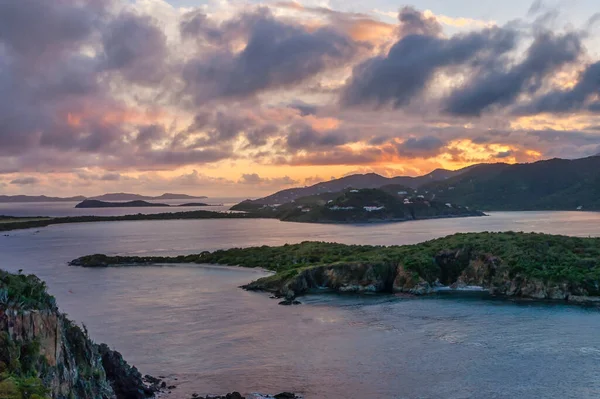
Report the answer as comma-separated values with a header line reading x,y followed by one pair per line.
x,y
510,265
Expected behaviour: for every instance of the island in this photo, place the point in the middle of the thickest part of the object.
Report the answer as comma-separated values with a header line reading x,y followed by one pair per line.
x,y
390,204
506,265
130,204
43,354
133,204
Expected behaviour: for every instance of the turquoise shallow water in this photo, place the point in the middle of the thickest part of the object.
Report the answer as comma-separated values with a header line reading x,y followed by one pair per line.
x,y
193,323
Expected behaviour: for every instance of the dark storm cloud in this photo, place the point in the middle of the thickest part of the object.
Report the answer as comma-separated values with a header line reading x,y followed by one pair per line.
x,y
407,69
37,28
137,48
570,100
302,137
425,147
500,84
277,55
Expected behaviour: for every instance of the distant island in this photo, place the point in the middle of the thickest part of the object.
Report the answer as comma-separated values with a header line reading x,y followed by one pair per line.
x,y
130,204
392,203
137,197
104,197
510,265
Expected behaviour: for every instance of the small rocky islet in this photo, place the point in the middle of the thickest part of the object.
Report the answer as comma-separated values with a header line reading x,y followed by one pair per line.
x,y
510,265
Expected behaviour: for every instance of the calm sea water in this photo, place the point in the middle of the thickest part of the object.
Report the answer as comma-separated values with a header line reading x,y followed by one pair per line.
x,y
193,323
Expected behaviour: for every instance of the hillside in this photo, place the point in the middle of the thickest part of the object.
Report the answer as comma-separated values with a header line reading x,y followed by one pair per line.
x,y
358,181
358,206
555,184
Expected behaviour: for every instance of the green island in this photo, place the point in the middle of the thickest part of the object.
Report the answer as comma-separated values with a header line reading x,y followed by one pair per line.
x,y
512,265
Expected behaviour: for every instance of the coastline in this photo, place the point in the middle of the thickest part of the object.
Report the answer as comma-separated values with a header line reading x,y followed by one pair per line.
x,y
490,261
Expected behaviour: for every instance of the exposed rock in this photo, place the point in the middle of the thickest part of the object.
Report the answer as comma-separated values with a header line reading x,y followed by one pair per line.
x,y
125,380
285,395
290,302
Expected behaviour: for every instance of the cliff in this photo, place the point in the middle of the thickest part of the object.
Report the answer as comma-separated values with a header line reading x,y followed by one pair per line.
x,y
455,270
44,354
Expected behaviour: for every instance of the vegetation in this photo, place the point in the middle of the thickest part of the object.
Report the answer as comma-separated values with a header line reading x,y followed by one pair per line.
x,y
359,206
21,361
24,292
549,258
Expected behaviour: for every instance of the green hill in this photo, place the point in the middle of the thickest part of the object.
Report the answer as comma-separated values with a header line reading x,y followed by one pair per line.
x,y
359,206
555,184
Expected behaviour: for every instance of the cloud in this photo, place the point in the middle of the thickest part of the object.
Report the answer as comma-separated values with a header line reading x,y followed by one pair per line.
x,y
497,83
455,22
134,46
411,63
277,55
115,93
570,100
424,147
302,136
254,178
25,181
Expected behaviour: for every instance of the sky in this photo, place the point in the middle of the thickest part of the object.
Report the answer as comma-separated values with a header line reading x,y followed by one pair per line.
x,y
244,97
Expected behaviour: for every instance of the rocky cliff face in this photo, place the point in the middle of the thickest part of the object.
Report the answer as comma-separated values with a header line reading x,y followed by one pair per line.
x,y
456,269
45,346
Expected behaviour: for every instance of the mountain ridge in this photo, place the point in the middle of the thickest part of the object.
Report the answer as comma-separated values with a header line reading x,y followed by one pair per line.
x,y
552,184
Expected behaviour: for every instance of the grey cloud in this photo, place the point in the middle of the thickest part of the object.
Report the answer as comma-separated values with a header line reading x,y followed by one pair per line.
x,y
425,147
254,178
38,28
413,22
301,136
500,85
137,48
25,181
304,108
412,61
564,101
505,154
277,54
150,134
